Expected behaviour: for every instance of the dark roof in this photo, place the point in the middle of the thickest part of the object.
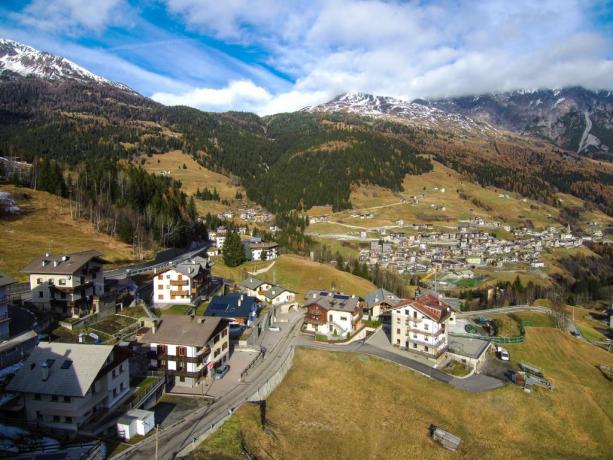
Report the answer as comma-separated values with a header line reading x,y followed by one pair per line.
x,y
467,346
332,300
381,295
232,306
184,330
5,280
54,264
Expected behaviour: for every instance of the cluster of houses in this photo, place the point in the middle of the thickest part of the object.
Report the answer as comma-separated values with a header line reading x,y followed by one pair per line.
x,y
467,247
254,248
251,215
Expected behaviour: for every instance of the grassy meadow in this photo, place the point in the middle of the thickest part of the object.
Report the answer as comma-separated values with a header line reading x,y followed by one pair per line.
x,y
366,408
45,225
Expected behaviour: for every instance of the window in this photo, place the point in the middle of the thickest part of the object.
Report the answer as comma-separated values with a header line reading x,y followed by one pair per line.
x,y
114,392
181,351
406,312
167,277
224,332
160,286
39,281
414,314
54,398
37,396
40,294
62,282
414,345
414,336
121,368
343,318
397,331
56,418
160,277
66,399
216,354
121,386
426,349
426,326
39,416
68,419
181,379
114,373
160,297
224,346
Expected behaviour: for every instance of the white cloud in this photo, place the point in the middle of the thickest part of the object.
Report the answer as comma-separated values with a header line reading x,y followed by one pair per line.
x,y
411,49
72,16
238,95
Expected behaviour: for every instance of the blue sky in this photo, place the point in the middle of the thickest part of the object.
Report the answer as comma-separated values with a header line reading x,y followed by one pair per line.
x,y
270,56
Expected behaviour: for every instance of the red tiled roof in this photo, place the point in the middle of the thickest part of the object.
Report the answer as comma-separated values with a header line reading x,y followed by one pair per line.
x,y
428,305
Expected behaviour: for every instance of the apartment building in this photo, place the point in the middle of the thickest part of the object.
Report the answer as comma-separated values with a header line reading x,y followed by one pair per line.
x,y
5,282
332,313
65,385
420,326
66,284
188,348
184,283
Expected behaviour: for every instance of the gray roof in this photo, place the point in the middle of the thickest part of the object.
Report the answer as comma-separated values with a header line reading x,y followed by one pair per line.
x,y
65,378
5,280
134,414
193,266
55,265
380,295
332,300
251,283
467,346
274,292
183,330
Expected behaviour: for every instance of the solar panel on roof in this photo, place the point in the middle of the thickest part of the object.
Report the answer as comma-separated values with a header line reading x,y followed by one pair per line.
x,y
340,296
323,293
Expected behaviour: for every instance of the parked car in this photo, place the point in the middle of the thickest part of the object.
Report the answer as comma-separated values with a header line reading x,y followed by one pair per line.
x,y
274,328
503,354
220,372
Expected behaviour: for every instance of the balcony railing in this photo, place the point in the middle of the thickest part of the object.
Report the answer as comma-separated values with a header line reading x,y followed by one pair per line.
x,y
179,282
179,293
429,333
425,342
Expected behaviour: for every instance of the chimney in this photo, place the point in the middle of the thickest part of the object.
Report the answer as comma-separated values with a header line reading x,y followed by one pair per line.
x,y
47,254
55,263
44,369
44,263
64,258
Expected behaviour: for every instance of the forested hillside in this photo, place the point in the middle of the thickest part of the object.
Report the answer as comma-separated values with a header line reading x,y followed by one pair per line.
x,y
285,161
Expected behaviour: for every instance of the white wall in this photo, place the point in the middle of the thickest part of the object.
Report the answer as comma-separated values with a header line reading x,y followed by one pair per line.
x,y
162,288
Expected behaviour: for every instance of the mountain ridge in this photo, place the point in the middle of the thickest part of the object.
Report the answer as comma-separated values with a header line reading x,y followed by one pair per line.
x,y
26,61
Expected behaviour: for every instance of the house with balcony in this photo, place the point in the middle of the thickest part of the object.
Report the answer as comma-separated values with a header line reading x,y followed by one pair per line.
x,y
333,314
187,348
66,385
5,282
184,283
421,327
260,250
66,284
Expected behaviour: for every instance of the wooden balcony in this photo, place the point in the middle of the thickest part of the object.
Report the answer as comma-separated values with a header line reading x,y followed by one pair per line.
x,y
179,282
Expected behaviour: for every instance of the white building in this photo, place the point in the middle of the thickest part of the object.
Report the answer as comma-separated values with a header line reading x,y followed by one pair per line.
x,y
135,422
278,295
420,326
333,314
255,287
66,284
263,251
182,284
188,348
65,385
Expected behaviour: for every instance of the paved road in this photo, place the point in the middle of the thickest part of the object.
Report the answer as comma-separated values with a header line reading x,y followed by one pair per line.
x,y
177,437
475,383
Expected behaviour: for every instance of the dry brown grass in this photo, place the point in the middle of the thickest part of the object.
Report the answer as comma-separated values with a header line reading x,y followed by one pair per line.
x,y
44,225
346,406
192,178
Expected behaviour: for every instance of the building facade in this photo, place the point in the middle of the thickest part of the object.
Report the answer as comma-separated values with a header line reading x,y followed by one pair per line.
x,y
332,314
66,284
65,386
420,327
187,349
182,284
5,282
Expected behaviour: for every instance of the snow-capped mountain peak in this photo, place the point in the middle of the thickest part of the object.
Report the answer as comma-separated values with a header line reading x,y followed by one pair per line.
x,y
20,59
413,113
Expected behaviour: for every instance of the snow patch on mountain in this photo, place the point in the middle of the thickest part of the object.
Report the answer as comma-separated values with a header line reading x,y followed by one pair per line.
x,y
413,113
29,62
